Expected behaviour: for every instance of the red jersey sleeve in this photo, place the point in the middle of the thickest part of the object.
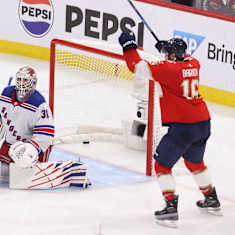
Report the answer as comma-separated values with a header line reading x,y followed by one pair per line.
x,y
132,58
179,81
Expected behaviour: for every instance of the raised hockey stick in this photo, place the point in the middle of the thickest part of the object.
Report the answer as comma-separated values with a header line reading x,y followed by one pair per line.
x,y
143,20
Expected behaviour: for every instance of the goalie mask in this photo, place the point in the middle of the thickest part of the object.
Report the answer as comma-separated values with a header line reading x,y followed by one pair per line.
x,y
25,82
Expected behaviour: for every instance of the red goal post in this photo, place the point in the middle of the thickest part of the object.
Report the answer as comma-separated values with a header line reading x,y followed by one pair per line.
x,y
115,70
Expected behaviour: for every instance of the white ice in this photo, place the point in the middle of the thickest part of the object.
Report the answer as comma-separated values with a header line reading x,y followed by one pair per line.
x,y
125,208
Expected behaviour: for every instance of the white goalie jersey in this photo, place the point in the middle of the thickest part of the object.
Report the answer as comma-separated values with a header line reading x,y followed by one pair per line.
x,y
30,121
29,134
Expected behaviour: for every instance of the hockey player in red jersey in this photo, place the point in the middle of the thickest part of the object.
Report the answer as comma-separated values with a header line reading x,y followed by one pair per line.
x,y
185,113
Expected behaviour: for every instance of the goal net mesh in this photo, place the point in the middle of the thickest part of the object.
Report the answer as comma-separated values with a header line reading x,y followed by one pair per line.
x,y
90,94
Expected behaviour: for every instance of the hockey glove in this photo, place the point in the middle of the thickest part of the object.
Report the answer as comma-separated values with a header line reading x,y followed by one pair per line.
x,y
23,154
160,45
127,41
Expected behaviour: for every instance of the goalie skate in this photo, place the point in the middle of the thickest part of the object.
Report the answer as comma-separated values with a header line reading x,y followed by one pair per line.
x,y
168,217
210,204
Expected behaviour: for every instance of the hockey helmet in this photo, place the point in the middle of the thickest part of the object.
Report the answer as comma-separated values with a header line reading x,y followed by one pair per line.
x,y
26,81
176,46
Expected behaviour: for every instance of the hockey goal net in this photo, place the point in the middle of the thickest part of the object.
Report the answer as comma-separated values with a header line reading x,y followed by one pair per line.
x,y
78,72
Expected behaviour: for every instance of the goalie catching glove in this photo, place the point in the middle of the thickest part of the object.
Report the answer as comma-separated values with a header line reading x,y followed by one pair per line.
x,y
23,154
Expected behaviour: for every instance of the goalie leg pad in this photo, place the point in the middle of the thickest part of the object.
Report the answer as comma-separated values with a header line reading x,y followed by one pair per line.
x,y
48,175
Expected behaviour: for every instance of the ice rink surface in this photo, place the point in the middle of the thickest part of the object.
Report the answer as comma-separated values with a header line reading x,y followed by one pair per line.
x,y
122,199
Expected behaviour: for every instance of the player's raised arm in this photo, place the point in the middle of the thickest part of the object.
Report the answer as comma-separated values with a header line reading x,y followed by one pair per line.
x,y
185,113
128,42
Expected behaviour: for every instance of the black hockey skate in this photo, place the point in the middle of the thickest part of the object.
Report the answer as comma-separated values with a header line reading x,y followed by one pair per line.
x,y
169,215
210,204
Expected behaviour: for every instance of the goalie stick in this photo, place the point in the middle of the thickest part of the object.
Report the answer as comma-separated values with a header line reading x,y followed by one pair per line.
x,y
9,81
143,20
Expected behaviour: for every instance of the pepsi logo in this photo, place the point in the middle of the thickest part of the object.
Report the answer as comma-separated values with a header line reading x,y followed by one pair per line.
x,y
36,16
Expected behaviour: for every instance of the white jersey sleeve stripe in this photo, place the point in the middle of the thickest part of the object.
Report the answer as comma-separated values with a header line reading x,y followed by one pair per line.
x,y
29,106
5,99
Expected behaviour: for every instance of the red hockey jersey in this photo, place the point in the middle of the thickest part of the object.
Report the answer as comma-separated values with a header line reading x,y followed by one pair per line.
x,y
179,82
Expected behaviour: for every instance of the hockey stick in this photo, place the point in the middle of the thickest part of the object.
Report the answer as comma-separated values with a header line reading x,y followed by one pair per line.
x,y
143,20
9,81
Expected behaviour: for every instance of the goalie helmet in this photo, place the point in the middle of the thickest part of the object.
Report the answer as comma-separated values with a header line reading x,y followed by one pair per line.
x,y
176,46
26,81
